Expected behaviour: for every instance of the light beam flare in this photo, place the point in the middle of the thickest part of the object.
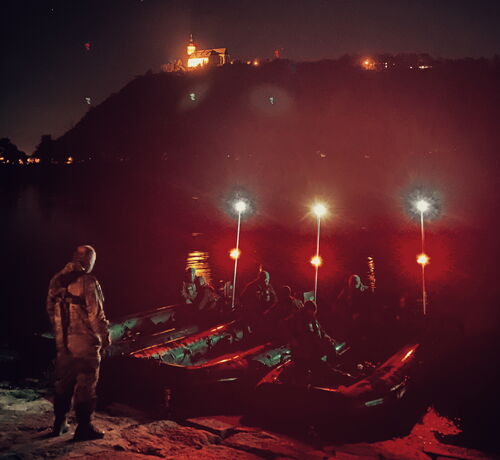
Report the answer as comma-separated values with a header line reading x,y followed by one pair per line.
x,y
319,210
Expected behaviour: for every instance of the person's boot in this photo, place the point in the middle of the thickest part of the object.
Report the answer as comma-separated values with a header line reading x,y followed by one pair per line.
x,y
60,426
86,431
62,404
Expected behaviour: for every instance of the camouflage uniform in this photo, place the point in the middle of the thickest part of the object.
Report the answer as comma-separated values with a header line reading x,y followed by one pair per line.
x,y
257,298
75,308
188,290
310,342
206,297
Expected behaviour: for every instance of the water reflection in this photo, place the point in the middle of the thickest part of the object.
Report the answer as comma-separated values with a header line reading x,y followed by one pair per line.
x,y
199,260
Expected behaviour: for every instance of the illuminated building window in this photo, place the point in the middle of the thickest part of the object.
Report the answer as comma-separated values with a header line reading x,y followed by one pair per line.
x,y
200,58
368,64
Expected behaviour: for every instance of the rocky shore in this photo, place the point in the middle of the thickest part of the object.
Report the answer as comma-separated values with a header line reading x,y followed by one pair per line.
x,y
26,415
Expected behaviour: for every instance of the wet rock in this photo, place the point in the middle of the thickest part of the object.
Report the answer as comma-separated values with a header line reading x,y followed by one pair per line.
x,y
131,434
213,425
268,445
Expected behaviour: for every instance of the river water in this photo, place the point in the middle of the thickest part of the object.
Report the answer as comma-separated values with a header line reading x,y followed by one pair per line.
x,y
148,228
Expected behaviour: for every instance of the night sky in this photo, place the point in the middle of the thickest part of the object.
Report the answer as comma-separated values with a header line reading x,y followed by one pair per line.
x,y
47,72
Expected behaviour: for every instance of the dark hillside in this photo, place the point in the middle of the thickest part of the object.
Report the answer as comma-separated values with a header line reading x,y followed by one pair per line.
x,y
322,120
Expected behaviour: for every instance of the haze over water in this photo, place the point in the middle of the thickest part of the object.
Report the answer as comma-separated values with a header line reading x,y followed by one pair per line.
x,y
147,230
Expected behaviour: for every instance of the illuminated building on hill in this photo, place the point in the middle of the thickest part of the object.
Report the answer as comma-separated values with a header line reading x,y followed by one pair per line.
x,y
210,57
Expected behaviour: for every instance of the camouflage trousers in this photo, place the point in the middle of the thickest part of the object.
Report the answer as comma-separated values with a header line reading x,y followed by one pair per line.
x,y
76,378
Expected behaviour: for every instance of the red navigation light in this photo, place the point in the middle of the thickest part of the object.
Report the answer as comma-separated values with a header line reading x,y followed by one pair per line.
x,y
234,253
316,261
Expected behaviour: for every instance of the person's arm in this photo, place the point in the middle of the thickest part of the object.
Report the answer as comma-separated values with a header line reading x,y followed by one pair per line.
x,y
53,312
94,300
202,299
246,296
184,294
51,304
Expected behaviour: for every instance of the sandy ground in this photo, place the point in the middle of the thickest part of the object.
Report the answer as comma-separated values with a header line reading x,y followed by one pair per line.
x,y
26,415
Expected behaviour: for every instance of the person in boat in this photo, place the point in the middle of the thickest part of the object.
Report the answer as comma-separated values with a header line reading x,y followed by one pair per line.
x,y
407,318
188,290
286,306
353,309
352,292
206,297
310,343
285,309
257,298
75,309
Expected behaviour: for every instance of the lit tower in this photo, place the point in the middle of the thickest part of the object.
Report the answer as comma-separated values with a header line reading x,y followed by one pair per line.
x,y
191,48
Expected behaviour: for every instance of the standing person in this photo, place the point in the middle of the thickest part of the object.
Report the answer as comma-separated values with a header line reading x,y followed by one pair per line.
x,y
75,308
310,343
286,306
188,290
279,318
257,298
353,303
206,297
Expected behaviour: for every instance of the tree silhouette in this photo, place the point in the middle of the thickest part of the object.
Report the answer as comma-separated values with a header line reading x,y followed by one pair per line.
x,y
10,152
46,149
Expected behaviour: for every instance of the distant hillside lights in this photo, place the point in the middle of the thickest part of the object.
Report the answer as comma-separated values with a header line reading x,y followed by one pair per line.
x,y
20,161
33,160
401,61
368,64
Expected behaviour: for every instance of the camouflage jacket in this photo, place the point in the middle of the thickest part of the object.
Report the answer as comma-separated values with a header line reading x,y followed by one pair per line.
x,y
188,292
258,297
75,308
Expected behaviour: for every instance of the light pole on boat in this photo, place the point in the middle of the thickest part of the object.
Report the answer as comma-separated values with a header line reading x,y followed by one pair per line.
x,y
240,207
319,210
422,206
423,260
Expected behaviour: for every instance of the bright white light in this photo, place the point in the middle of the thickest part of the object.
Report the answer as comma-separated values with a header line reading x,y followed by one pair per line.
x,y
319,210
422,205
240,206
423,259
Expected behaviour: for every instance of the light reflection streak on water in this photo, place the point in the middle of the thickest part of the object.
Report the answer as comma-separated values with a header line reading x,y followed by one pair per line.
x,y
199,261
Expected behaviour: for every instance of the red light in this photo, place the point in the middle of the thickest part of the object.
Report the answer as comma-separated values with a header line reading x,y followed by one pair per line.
x,y
316,261
234,253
